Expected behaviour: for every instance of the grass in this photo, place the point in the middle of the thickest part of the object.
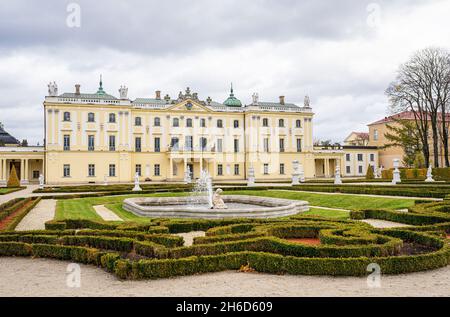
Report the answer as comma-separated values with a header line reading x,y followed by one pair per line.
x,y
350,202
6,190
82,208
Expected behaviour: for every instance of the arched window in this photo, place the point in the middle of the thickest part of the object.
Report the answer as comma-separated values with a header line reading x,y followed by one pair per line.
x,y
265,122
138,121
202,123
176,122
91,117
281,123
66,116
220,123
189,123
298,123
112,118
157,122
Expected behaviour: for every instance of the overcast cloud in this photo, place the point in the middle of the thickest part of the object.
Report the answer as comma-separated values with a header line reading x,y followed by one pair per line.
x,y
338,52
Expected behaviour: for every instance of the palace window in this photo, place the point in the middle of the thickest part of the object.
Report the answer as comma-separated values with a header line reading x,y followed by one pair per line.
x,y
175,169
112,170
360,169
348,169
219,145
174,144
157,170
281,169
35,174
281,123
220,123
203,143
176,122
265,122
299,145
360,157
236,145
266,169
139,169
281,145
66,116
298,123
188,143
112,118
375,135
202,123
137,144
91,170
112,142
91,117
236,169
188,123
91,143
266,145
66,142
66,170
138,121
157,122
372,157
157,145
219,169
236,124
348,157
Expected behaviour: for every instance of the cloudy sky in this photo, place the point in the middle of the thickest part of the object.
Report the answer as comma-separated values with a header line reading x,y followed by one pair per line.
x,y
343,54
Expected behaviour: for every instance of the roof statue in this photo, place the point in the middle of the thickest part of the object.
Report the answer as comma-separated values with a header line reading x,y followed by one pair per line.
x,y
123,91
255,98
52,89
307,102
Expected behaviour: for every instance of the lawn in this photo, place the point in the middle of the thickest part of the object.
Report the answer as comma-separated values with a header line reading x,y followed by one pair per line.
x,y
6,190
82,208
350,202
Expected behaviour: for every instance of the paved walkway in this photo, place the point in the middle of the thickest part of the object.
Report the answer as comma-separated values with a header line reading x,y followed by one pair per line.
x,y
189,236
38,216
377,223
45,277
106,213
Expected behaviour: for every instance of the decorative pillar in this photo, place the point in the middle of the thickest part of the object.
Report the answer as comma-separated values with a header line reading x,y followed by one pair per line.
x,y
327,167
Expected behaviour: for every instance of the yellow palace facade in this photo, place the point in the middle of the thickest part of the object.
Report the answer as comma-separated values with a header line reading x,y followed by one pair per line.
x,y
99,138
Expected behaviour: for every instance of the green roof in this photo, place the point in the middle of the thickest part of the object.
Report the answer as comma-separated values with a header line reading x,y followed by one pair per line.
x,y
232,101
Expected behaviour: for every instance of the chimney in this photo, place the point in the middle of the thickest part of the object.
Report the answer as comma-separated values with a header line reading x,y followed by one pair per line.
x,y
158,94
281,100
77,89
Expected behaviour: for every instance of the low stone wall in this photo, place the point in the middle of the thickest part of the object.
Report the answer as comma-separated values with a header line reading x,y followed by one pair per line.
x,y
178,207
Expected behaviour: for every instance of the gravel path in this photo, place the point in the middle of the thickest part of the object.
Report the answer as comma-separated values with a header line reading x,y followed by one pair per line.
x,y
189,236
44,277
377,223
38,216
106,213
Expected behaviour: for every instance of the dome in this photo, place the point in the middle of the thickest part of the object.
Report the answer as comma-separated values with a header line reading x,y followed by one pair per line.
x,y
232,101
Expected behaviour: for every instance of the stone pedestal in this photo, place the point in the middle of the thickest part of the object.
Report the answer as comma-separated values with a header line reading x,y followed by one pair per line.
x,y
337,176
41,181
251,177
301,174
295,173
396,174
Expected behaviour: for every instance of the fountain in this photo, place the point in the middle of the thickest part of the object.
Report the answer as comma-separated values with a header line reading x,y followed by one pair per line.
x,y
204,203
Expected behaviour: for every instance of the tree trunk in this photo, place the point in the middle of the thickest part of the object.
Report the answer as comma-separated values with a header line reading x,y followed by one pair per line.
x,y
435,143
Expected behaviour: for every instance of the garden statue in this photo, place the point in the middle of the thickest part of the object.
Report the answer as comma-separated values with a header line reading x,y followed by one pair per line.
x,y
430,174
105,180
136,188
41,181
337,176
251,176
301,174
377,172
396,174
187,176
295,173
380,171
217,200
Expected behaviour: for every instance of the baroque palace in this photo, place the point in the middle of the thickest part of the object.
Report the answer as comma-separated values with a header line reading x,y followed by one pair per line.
x,y
97,138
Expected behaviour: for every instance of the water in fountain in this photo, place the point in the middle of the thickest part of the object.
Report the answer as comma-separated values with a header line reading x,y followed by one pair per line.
x,y
202,194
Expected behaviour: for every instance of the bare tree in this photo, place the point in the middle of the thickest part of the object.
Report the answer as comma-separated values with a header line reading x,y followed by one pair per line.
x,y
422,87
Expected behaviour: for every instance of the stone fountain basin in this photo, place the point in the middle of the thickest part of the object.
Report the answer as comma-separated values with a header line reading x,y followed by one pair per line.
x,y
182,207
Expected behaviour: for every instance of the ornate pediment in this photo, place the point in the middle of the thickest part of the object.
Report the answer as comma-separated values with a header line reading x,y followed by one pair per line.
x,y
189,105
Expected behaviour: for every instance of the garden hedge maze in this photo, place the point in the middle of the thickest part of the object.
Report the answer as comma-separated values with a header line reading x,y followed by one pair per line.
x,y
295,245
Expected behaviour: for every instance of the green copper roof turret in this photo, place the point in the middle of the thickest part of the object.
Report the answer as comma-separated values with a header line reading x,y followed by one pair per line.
x,y
100,90
232,101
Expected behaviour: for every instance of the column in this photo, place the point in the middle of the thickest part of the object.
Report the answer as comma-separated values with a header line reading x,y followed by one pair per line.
x,y
2,172
22,172
201,165
170,169
26,170
327,167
